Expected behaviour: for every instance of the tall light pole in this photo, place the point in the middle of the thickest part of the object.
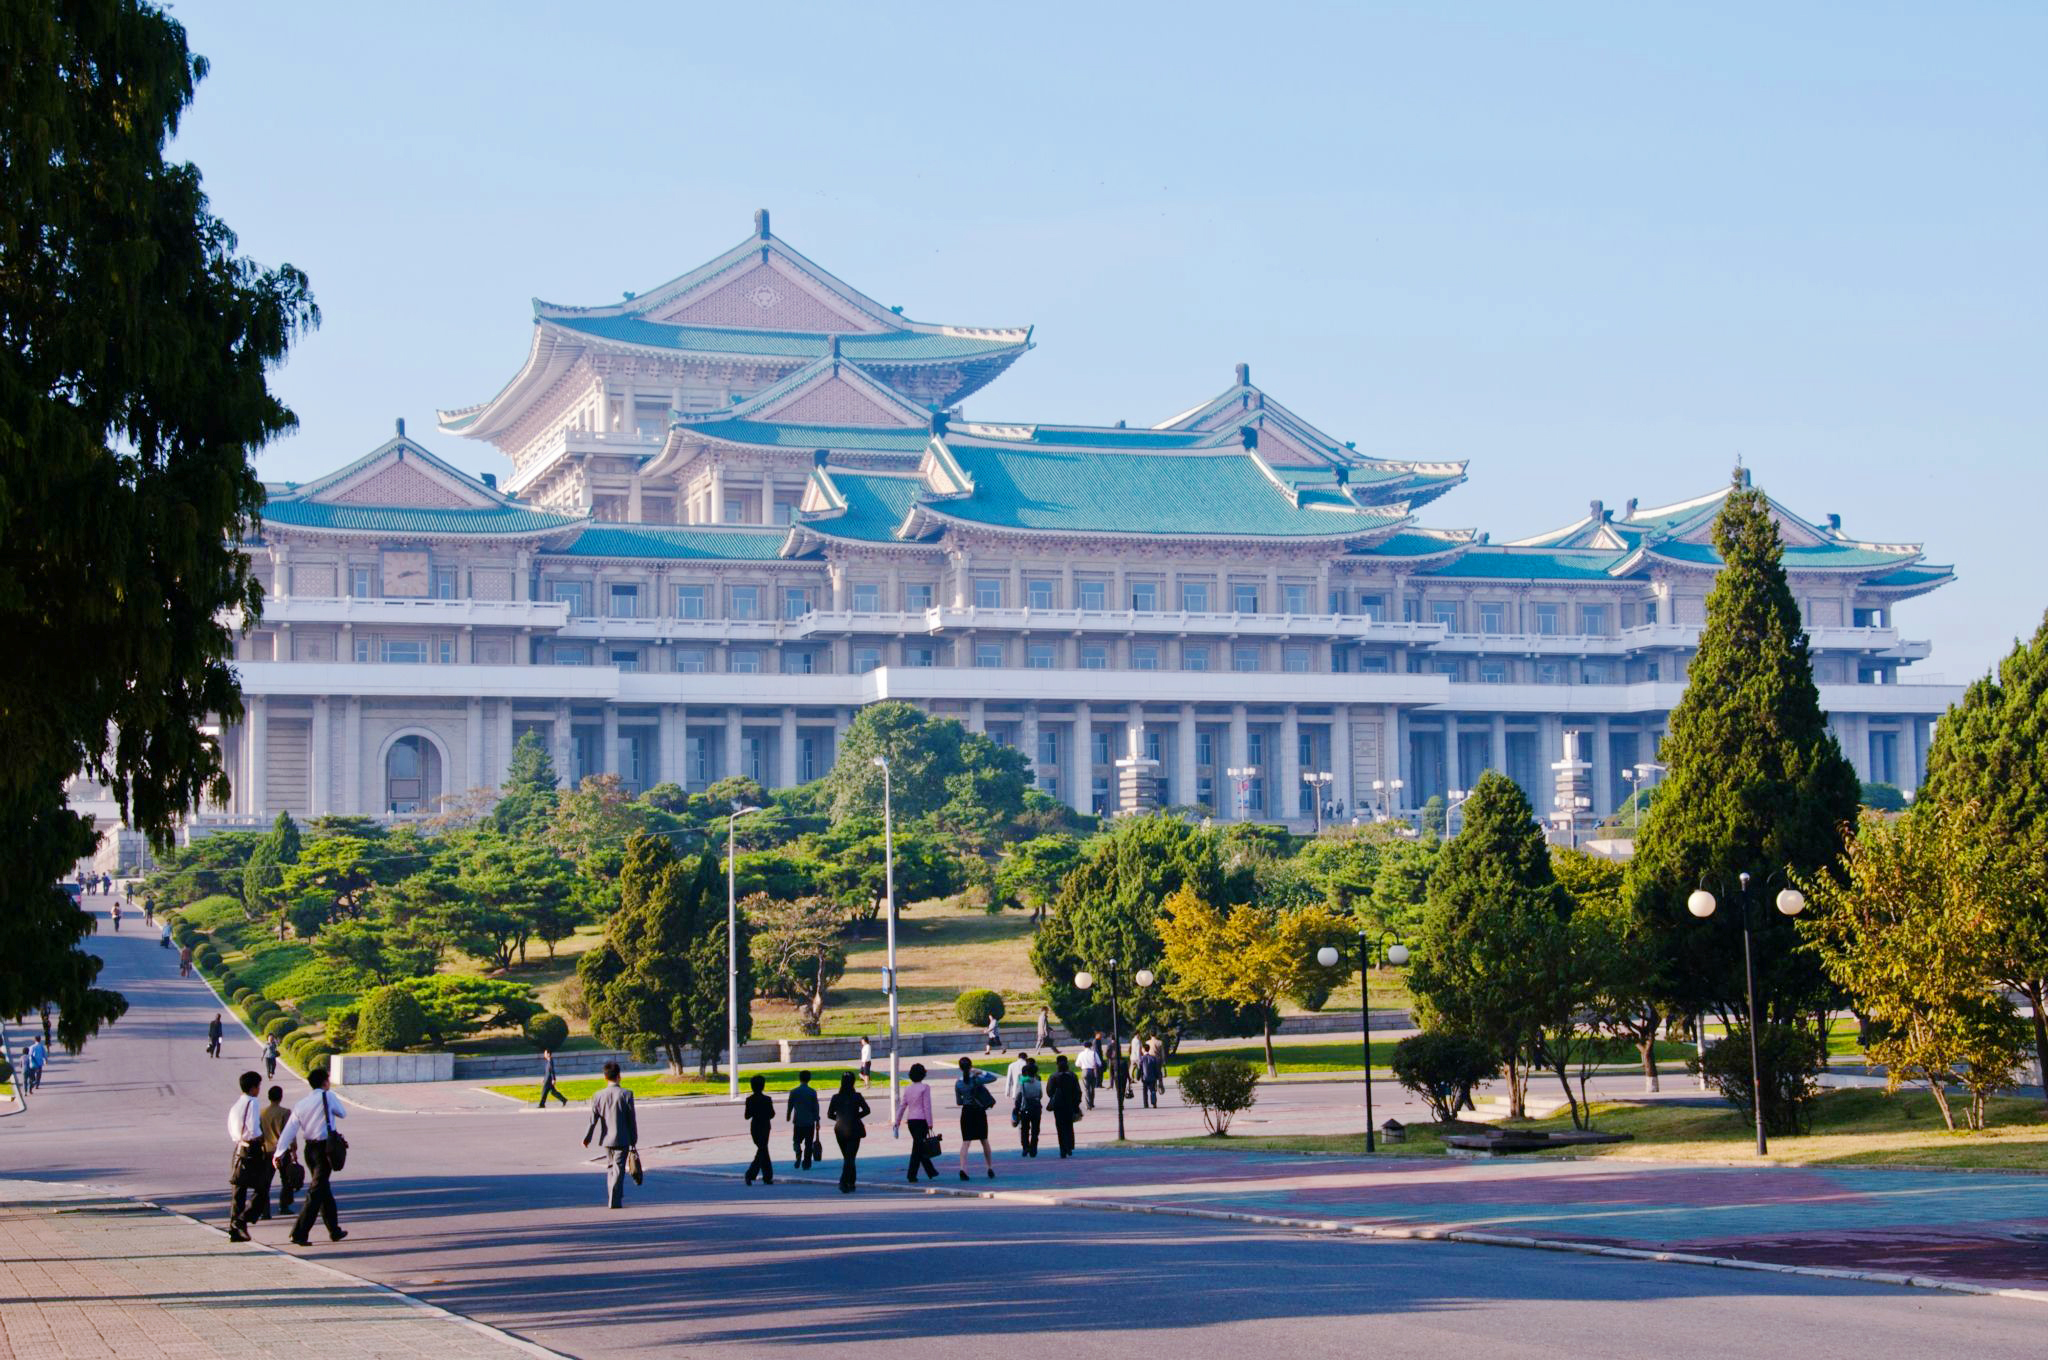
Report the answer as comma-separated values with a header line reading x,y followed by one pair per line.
x,y
1397,954
732,952
1790,902
889,900
1388,790
1454,801
1083,981
1320,781
1639,775
1242,776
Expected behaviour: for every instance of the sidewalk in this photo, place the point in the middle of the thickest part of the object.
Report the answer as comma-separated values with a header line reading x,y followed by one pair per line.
x,y
87,1274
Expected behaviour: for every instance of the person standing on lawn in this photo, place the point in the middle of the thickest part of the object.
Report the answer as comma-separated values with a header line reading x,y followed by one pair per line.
x,y
613,1122
848,1108
1063,1098
547,1080
759,1112
971,1094
802,1112
915,1109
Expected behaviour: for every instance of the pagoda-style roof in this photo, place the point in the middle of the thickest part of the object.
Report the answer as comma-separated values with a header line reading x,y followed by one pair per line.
x,y
760,301
680,542
400,488
1502,563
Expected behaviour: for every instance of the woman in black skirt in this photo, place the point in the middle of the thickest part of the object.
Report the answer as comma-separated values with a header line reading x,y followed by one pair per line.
x,y
972,1095
848,1108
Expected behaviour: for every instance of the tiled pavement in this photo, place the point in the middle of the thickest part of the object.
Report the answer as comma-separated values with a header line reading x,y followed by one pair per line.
x,y
87,1274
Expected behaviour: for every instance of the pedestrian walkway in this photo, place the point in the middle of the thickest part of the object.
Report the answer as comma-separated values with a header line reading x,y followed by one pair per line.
x,y
88,1274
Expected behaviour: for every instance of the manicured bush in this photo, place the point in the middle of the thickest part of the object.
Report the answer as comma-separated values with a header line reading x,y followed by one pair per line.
x,y
236,993
315,1054
546,1030
341,1027
391,1019
1443,1069
977,1006
1789,1058
211,913
278,1027
207,957
292,1049
182,933
1222,1088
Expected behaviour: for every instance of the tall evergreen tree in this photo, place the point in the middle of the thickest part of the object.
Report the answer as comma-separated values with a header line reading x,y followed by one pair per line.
x,y
135,348
1988,771
531,790
638,983
1755,783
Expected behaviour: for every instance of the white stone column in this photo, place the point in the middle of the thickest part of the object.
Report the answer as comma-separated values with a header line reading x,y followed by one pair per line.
x,y
352,756
1185,739
1500,742
1916,750
610,758
785,750
977,716
1454,776
473,745
1081,761
735,734
502,743
564,768
1550,750
1237,808
1603,766
1027,737
320,759
1341,791
767,498
1290,763
258,722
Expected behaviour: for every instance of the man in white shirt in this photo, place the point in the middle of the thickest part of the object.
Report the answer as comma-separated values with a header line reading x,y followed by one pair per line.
x,y
1089,1063
1012,1075
313,1119
245,1168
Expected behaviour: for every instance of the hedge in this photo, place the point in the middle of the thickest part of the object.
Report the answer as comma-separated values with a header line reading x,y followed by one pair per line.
x,y
977,1006
316,1054
206,956
391,1020
546,1030
279,1027
239,995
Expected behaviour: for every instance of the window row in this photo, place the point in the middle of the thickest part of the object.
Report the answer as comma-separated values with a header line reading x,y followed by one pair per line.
x,y
1499,616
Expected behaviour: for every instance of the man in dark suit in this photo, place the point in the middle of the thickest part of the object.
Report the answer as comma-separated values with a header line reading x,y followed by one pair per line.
x,y
614,1125
1063,1098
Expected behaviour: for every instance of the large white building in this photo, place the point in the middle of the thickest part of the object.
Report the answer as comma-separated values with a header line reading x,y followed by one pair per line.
x,y
746,503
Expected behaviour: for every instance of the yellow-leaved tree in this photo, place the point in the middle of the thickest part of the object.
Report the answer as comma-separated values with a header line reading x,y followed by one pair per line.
x,y
1248,955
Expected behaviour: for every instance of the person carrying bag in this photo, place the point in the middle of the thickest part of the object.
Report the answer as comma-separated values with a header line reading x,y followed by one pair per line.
x,y
314,1118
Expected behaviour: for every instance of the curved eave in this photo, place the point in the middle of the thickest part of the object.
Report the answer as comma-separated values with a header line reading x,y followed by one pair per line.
x,y
925,517
1648,553
273,530
546,360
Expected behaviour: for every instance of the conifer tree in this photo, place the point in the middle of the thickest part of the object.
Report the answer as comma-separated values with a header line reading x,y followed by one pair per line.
x,y
639,982
531,790
1755,784
1988,770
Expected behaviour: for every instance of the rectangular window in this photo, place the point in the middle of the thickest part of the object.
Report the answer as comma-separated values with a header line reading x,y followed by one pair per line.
x,y
362,649
1194,597
743,661
1098,747
1493,672
867,597
1337,601
1153,745
1411,611
404,652
745,602
359,582
1205,748
1596,673
1094,594
1373,663
988,656
1866,618
623,602
1295,599
1653,670
1098,795
1048,748
1450,668
735,511
1373,607
1593,620
921,655
1145,596
1649,611
1445,612
690,602
1549,673
866,659
1295,660
1145,656
1194,658
796,602
572,656
692,661
1492,618
1094,657
799,662
988,592
444,650
447,583
626,660
569,593
1038,594
1205,792
917,595
1244,599
1546,620
1244,657
1038,656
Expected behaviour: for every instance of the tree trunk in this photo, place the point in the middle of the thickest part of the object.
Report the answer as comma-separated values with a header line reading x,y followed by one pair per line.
x,y
1571,1101
1266,1032
1648,1048
2036,989
1518,1087
1934,1089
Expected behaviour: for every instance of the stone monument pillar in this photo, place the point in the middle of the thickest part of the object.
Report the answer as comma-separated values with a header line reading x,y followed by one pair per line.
x,y
1137,778
1572,803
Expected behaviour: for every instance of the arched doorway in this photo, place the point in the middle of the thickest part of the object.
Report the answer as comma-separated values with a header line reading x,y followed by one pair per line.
x,y
412,775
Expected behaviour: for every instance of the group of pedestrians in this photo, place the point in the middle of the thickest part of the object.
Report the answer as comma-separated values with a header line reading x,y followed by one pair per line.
x,y
34,1056
266,1139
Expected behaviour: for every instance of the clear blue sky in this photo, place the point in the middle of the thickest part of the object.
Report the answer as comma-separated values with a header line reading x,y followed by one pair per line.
x,y
1598,250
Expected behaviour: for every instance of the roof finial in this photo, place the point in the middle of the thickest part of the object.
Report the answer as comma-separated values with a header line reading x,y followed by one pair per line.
x,y
1740,477
761,223
1599,512
1244,375
401,427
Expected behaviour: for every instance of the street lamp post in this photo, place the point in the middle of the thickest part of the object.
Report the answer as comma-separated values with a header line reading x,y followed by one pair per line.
x,y
1637,776
1320,781
1388,790
1084,981
889,967
1452,803
732,952
1790,902
1397,954
1242,776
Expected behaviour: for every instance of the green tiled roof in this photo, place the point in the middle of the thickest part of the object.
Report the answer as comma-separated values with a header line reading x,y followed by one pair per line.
x,y
1824,557
878,438
875,506
678,542
496,519
1194,495
1110,438
1530,564
1414,545
1912,576
887,347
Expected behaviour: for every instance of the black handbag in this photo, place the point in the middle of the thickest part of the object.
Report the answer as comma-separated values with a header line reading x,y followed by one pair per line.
x,y
337,1146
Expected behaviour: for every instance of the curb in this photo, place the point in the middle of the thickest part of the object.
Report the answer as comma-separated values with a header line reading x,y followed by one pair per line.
x,y
1484,1239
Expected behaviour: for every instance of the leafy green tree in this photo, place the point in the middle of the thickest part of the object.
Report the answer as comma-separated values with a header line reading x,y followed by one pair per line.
x,y
1989,768
1401,885
1754,784
797,952
592,823
1434,814
1247,956
374,950
1344,863
455,1005
526,802
985,796
133,390
263,876
332,880
507,893
208,867
735,790
1031,874
637,984
922,752
1880,797
1494,961
1620,955
851,867
707,999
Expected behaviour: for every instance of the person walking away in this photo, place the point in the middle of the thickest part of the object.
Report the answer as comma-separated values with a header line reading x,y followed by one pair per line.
x,y
313,1119
1063,1098
1014,1074
614,1123
971,1094
848,1108
245,1135
1045,1030
1089,1060
163,939
994,1038
802,1112
759,1112
915,1109
34,1057
1027,1109
269,1057
867,1061
1122,1074
273,1117
149,909
1151,1076
117,917
184,959
547,1080
213,1036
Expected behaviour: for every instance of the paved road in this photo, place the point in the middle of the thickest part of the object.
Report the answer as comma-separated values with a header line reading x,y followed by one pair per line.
x,y
493,1214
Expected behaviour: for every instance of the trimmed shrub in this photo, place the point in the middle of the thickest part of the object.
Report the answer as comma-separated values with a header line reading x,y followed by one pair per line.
x,y
341,1027
211,913
182,933
1789,1057
546,1030
1222,1088
227,982
237,994
292,1048
391,1019
977,1006
278,1027
315,1054
207,957
1443,1069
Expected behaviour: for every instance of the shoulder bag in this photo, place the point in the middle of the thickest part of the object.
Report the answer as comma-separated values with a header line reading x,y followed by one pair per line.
x,y
337,1146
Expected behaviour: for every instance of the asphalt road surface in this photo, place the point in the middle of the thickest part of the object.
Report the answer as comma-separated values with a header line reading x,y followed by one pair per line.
x,y
497,1214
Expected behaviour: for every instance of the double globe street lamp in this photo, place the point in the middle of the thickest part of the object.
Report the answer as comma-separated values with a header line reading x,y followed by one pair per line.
x,y
1395,953
1084,981
1790,902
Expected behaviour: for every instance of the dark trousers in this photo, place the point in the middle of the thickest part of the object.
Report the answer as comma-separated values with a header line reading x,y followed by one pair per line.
x,y
213,1045
1152,1095
319,1193
1063,1125
615,1177
267,1173
285,1175
803,1139
761,1166
849,1153
269,1066
1029,1119
921,1151
252,1200
548,1088
1090,1085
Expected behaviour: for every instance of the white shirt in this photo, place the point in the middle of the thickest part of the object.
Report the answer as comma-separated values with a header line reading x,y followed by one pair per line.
x,y
867,1052
309,1119
1012,1075
1086,1059
245,1121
